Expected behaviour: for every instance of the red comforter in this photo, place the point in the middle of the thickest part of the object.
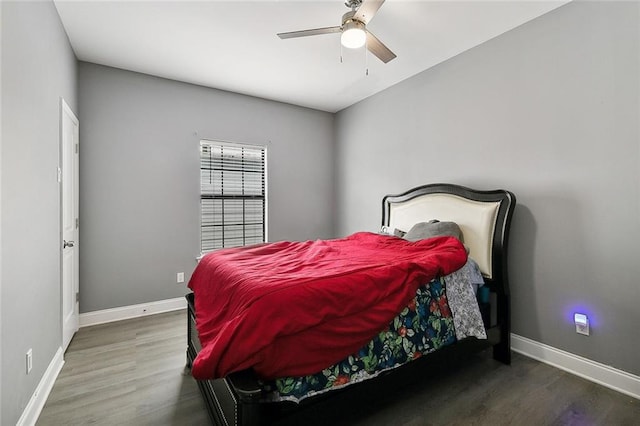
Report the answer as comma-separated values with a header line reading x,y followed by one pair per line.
x,y
293,308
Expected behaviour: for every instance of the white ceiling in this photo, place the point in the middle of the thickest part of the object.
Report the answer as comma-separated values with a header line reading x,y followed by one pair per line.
x,y
232,45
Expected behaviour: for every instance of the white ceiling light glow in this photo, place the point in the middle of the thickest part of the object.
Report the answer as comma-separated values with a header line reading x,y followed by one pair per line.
x,y
353,35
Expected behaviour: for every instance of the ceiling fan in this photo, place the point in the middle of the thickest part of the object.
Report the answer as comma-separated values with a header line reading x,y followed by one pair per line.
x,y
354,29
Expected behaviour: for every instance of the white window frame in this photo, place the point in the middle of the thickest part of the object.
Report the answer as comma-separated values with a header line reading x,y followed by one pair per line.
x,y
264,196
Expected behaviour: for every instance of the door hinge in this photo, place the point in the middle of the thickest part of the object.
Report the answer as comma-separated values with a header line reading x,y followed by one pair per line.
x,y
77,148
77,297
77,223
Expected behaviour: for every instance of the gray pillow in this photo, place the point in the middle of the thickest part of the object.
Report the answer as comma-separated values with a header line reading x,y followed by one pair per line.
x,y
433,228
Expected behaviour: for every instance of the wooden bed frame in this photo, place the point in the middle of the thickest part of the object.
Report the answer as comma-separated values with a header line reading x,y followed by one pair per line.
x,y
483,216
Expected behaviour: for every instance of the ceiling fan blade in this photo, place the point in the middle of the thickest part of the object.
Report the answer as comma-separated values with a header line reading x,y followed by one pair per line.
x,y
367,9
376,47
306,33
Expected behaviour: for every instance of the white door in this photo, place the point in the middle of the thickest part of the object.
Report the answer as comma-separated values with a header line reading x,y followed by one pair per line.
x,y
69,147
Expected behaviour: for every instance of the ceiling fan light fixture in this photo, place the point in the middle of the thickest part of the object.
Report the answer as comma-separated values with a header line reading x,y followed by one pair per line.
x,y
353,30
353,35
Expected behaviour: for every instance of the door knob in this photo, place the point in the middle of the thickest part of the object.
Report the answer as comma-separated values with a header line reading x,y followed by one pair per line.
x,y
66,243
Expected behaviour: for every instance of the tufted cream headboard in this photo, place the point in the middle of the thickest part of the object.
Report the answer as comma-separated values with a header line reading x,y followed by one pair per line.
x,y
483,217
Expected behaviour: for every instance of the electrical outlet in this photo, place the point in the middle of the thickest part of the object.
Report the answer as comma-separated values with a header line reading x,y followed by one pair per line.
x,y
29,360
180,277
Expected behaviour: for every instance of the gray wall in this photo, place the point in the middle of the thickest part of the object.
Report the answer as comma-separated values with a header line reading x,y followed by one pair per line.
x,y
139,175
38,68
549,111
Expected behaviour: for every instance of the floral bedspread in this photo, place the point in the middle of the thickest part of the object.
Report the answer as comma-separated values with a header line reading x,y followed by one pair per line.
x,y
425,325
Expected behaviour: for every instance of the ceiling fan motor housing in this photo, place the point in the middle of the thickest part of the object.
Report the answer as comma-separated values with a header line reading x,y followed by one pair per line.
x,y
348,17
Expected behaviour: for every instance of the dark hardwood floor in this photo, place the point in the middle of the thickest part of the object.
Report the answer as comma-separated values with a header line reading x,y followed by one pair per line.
x,y
131,373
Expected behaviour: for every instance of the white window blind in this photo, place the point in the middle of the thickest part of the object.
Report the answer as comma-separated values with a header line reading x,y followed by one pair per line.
x,y
232,195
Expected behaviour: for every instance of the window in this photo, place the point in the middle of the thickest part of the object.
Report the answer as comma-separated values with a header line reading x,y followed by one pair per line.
x,y
232,195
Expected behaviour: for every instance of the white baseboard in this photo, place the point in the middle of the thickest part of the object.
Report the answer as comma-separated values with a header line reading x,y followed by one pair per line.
x,y
132,311
36,403
602,374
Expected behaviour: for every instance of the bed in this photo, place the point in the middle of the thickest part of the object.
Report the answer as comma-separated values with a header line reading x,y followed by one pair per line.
x,y
243,397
